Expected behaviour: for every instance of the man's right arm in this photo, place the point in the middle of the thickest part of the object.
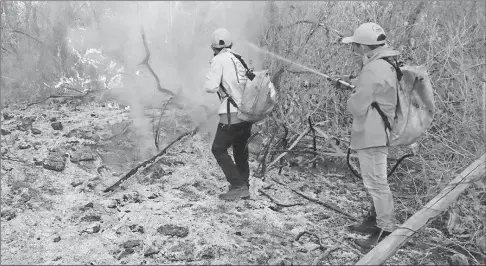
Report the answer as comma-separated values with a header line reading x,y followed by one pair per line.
x,y
213,78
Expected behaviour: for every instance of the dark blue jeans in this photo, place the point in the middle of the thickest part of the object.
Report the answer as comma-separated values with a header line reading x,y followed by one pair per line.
x,y
238,172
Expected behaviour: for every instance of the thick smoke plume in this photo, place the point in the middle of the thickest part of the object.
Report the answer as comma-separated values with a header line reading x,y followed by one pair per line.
x,y
178,36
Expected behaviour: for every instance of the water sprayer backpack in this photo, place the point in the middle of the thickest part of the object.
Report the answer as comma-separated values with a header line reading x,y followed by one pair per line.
x,y
414,110
258,96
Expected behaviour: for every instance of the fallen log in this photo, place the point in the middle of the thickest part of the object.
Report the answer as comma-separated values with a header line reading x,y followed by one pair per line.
x,y
388,246
149,161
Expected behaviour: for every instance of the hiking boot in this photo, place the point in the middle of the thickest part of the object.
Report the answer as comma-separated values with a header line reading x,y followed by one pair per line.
x,y
371,241
368,226
235,193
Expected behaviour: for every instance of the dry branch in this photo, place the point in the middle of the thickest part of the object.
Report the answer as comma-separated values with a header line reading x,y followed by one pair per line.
x,y
149,161
276,202
54,96
146,63
118,134
290,148
387,247
314,142
326,253
327,205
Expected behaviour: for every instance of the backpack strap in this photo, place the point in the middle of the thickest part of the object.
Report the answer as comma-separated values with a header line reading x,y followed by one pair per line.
x,y
375,105
249,73
228,102
384,118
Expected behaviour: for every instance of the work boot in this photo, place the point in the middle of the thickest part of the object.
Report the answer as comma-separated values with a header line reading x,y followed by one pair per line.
x,y
368,226
235,193
371,241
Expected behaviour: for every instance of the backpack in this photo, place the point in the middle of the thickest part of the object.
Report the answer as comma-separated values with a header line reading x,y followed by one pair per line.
x,y
415,106
414,111
258,97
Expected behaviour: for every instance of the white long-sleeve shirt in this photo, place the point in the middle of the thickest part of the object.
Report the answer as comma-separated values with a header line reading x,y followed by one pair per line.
x,y
227,70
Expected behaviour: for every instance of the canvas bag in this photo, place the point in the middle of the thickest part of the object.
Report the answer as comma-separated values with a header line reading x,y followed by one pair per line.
x,y
258,97
415,106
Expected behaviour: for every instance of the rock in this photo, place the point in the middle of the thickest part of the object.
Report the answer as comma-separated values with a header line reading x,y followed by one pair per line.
x,y
158,172
38,161
93,230
150,251
37,145
57,126
76,183
132,243
125,253
57,239
83,134
173,230
3,150
112,204
83,155
133,197
4,132
53,119
87,207
206,254
8,214
101,169
457,259
22,128
153,196
24,146
26,123
91,218
36,131
55,161
7,116
136,228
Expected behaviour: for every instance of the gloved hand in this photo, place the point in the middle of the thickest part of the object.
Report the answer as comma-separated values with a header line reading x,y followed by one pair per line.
x,y
336,84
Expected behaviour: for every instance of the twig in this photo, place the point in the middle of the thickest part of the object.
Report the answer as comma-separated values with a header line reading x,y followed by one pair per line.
x,y
327,205
146,63
118,134
150,161
276,202
473,66
17,160
314,142
53,96
323,154
30,36
265,154
326,253
290,148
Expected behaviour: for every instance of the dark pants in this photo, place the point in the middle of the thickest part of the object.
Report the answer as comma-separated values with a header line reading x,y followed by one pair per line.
x,y
238,172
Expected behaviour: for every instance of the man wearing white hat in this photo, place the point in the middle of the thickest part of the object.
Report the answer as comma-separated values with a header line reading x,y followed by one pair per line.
x,y
227,77
376,85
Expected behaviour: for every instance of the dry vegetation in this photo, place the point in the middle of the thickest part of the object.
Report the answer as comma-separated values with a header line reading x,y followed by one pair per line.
x,y
66,59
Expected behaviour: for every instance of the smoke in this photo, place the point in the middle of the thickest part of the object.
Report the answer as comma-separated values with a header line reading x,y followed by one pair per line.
x,y
178,35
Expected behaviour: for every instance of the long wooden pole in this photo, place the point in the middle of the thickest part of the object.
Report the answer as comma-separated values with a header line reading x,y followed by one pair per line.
x,y
388,246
